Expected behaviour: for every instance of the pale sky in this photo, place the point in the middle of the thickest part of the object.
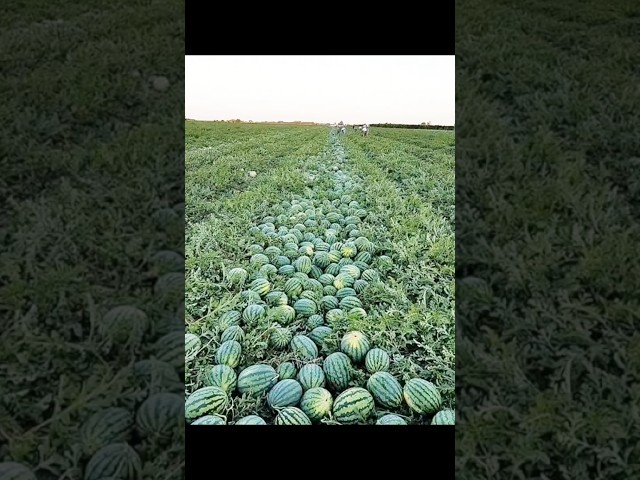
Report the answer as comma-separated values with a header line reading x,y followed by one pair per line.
x,y
324,89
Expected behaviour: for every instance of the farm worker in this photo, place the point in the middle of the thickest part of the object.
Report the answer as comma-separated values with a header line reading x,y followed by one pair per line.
x,y
365,130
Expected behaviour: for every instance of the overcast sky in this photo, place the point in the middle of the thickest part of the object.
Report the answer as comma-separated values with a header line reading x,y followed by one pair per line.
x,y
326,89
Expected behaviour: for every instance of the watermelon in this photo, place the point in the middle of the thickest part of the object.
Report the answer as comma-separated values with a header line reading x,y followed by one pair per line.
x,y
261,286
117,460
345,292
315,272
229,319
305,307
344,262
253,313
334,315
110,425
337,370
422,396
364,257
281,261
257,379
316,403
229,353
391,419
275,298
314,286
303,264
170,348
302,277
348,303
250,297
170,286
329,290
206,400
272,252
160,414
376,360
332,269
255,248
321,259
303,347
362,267
349,250
280,338
386,390
356,345
251,420
221,376
293,287
329,302
292,416
15,471
259,259
318,334
233,332
125,323
351,270
359,285
306,250
285,393
358,313
286,270
210,420
370,275
284,314
314,321
286,370
444,417
326,279
311,376
354,405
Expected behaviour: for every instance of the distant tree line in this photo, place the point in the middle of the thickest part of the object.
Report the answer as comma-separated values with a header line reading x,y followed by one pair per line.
x,y
423,125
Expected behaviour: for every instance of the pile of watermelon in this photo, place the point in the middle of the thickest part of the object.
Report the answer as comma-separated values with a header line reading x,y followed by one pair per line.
x,y
300,293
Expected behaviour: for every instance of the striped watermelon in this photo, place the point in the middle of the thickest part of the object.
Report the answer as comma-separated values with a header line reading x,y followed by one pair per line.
x,y
371,275
259,259
376,360
280,338
255,248
192,344
329,290
281,261
314,321
292,416
326,279
316,403
283,314
210,420
305,307
364,257
229,353
391,419
221,376
354,405
315,273
275,298
334,315
314,286
356,345
250,297
251,420
285,393
229,319
343,262
358,313
334,257
345,292
329,302
15,471
337,370
362,266
306,250
311,376
332,269
303,264
444,417
286,270
206,400
117,460
303,348
234,332
359,285
286,370
293,287
386,390
125,323
110,425
257,379
253,313
352,270
349,250
170,286
310,295
261,286
321,259
301,276
422,396
318,334
266,271
170,348
160,414
272,252
349,303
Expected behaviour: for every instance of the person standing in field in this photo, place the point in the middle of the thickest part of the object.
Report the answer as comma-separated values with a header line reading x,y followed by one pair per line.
x,y
365,130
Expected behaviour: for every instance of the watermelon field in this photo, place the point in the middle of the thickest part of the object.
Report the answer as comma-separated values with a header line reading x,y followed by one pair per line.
x,y
319,275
